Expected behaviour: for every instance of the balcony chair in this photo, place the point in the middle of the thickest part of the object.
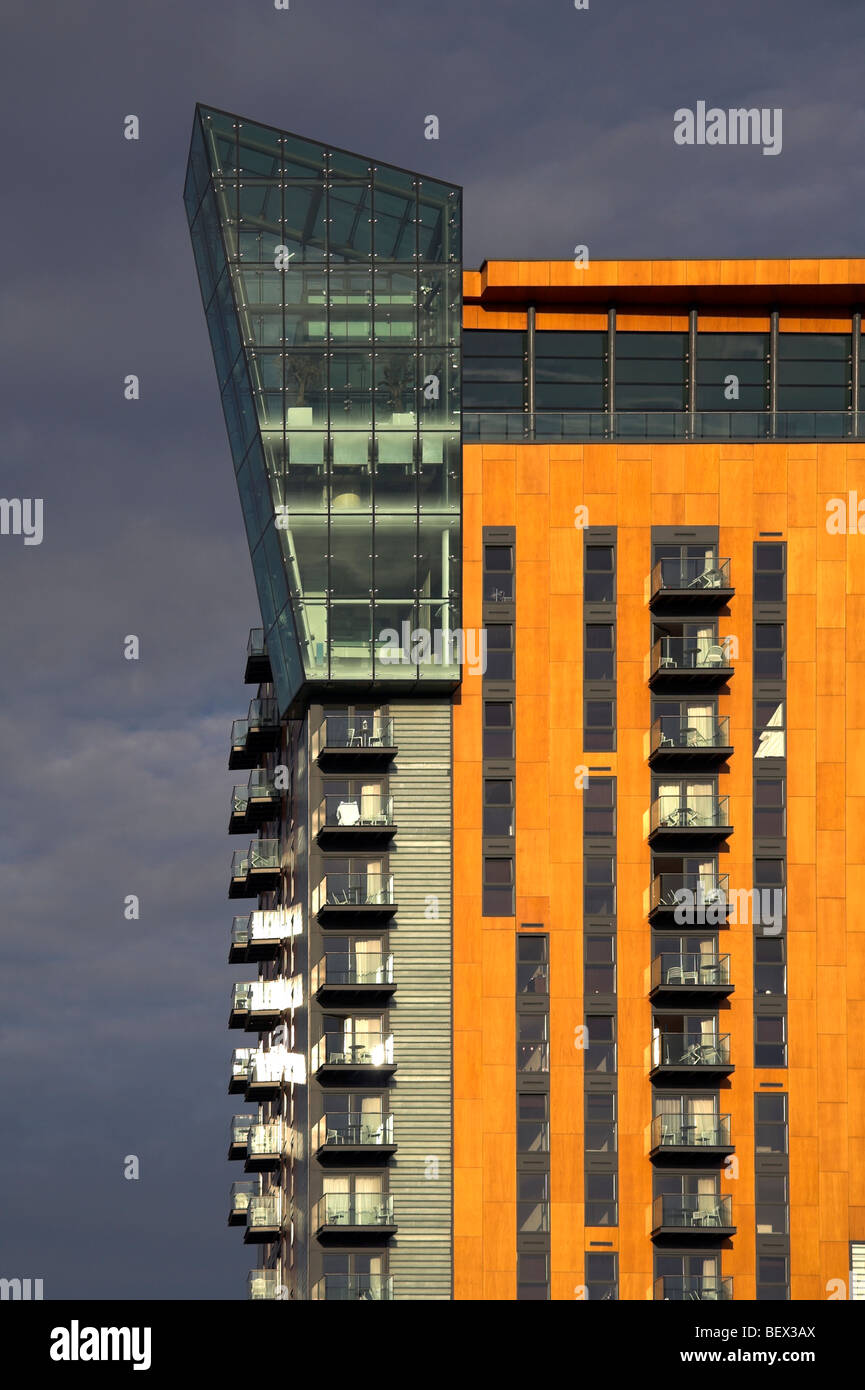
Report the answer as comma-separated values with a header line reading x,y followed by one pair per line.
x,y
347,813
678,975
715,656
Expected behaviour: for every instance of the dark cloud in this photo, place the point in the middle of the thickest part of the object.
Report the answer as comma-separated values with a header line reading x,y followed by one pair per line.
x,y
559,125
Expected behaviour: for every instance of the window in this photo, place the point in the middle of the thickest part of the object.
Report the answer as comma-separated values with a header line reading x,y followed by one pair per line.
x,y
769,572
769,734
602,1275
500,652
600,579
498,733
813,371
772,1278
533,1051
533,1202
599,891
601,1204
770,820
770,1119
770,1048
498,806
498,887
601,1122
533,1277
569,371
532,964
498,573
599,807
493,370
601,1049
770,971
533,1123
599,659
599,733
744,356
769,651
770,1195
599,972
651,371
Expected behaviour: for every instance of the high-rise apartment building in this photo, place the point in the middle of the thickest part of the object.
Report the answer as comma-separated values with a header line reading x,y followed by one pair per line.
x,y
554,801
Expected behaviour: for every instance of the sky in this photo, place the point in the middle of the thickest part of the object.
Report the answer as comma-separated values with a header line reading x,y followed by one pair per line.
x,y
559,125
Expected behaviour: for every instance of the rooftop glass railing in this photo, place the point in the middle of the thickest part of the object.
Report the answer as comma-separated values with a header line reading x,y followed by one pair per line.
x,y
558,425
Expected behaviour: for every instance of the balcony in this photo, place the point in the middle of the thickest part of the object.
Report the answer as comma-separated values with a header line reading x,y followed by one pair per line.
x,y
689,1136
698,975
690,899
684,743
241,753
340,1057
266,1074
242,1194
257,659
255,870
263,1283
693,1215
689,663
683,1288
343,975
353,1135
686,818
358,740
239,1129
241,1060
684,583
339,1288
251,804
258,1005
342,895
263,731
691,1052
263,1219
264,1147
358,820
260,935
368,1215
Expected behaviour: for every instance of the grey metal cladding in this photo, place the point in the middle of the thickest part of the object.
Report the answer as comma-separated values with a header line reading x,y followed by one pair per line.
x,y
421,1093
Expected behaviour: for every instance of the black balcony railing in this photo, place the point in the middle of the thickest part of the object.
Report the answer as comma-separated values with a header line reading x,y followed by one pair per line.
x,y
690,1050
691,1132
672,656
690,971
356,1287
690,811
688,894
683,1288
691,734
697,577
692,1212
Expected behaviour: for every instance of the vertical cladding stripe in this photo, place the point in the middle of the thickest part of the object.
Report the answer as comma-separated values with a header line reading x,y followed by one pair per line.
x,y
421,1178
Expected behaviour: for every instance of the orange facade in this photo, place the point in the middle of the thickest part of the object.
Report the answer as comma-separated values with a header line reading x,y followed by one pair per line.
x,y
744,489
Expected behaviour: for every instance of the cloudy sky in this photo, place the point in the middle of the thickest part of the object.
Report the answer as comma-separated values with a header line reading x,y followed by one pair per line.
x,y
558,123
